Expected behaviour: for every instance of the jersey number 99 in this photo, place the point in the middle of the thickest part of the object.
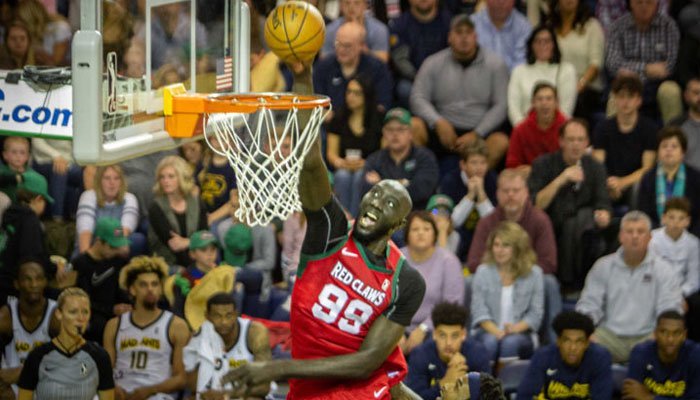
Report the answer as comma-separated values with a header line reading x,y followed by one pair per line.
x,y
331,303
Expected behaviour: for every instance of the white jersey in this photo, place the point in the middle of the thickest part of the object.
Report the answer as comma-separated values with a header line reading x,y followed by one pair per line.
x,y
143,353
23,340
206,352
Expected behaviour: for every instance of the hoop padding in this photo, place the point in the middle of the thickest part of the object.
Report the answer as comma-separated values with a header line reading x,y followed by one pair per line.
x,y
266,155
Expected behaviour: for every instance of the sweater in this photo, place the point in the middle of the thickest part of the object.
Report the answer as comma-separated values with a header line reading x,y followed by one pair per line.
x,y
549,377
471,97
528,141
646,199
425,368
537,225
442,273
526,76
680,380
682,254
528,297
627,300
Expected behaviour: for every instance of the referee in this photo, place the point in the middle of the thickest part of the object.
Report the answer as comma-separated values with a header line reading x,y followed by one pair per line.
x,y
68,367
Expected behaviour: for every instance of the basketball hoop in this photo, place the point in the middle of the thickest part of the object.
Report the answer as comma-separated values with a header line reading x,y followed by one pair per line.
x,y
264,141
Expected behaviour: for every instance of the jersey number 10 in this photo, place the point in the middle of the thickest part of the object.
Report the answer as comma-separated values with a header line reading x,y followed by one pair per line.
x,y
331,302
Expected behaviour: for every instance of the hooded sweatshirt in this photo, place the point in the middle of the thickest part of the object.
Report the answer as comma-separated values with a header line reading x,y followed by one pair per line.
x,y
528,141
25,239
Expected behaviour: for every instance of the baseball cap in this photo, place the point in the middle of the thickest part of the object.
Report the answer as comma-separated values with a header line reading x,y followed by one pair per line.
x,y
400,114
110,231
35,183
440,201
461,19
202,239
237,243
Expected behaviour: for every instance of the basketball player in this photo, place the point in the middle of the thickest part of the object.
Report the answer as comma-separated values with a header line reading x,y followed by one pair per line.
x,y
354,294
145,345
25,323
239,341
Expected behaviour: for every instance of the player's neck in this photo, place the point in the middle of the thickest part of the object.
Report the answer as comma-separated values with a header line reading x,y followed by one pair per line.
x,y
377,247
32,310
143,316
231,339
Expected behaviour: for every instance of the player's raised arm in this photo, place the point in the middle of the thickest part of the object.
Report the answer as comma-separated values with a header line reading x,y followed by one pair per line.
x,y
314,187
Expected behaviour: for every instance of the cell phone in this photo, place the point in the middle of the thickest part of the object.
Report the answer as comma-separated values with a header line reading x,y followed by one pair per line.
x,y
353,154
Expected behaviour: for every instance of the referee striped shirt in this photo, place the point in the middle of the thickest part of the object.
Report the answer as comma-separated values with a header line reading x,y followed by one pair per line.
x,y
54,375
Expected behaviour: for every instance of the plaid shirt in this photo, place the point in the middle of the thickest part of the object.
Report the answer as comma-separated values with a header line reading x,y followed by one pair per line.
x,y
632,49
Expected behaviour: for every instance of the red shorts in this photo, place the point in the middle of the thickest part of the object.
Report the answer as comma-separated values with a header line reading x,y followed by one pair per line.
x,y
375,387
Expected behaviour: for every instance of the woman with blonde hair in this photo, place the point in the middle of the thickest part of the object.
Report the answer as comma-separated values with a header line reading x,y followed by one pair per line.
x,y
51,34
508,294
68,367
109,198
176,212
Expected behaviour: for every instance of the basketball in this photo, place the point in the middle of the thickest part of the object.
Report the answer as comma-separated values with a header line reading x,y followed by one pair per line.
x,y
295,31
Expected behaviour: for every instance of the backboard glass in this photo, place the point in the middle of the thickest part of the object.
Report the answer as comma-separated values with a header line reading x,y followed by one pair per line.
x,y
117,81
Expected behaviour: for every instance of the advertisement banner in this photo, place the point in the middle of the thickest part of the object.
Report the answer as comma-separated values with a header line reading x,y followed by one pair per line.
x,y
28,112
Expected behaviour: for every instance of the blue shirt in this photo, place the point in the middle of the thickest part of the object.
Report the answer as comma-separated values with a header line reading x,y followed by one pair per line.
x,y
423,38
510,42
329,79
680,380
549,377
425,368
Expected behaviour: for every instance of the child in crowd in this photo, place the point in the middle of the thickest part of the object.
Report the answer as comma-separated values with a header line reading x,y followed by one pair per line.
x,y
203,251
676,245
15,154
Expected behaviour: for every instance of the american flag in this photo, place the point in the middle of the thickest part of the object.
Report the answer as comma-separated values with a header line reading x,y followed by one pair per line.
x,y
224,70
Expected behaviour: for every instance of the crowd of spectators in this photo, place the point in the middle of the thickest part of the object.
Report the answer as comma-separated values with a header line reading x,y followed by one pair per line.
x,y
551,151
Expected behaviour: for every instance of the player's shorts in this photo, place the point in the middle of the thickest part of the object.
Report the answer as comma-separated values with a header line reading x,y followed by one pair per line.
x,y
375,387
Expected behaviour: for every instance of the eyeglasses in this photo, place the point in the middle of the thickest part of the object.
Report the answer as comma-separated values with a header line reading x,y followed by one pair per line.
x,y
354,92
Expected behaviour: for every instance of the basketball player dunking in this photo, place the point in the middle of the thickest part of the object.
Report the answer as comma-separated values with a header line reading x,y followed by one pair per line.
x,y
353,297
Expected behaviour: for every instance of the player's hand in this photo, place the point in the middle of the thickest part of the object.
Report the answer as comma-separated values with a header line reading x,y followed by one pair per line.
x,y
372,177
415,339
119,393
446,133
633,390
573,174
614,183
60,165
456,368
465,140
177,242
657,70
442,223
601,218
213,395
249,375
141,393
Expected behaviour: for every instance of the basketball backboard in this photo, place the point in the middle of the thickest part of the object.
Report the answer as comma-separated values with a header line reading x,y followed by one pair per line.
x,y
117,81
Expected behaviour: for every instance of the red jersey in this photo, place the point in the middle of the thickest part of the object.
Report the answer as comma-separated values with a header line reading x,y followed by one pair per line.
x,y
336,298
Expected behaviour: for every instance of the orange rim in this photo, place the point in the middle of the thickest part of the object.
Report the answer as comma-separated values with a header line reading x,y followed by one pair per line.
x,y
252,102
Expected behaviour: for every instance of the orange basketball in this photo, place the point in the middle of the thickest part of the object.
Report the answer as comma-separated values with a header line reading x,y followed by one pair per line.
x,y
295,31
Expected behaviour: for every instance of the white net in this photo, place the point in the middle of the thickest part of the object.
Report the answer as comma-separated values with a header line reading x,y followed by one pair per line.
x,y
266,150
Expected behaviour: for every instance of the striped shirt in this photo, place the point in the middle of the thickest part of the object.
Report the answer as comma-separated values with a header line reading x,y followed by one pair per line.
x,y
632,49
54,375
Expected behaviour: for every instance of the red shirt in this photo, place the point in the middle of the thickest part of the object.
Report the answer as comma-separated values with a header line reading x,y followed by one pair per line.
x,y
528,141
335,300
